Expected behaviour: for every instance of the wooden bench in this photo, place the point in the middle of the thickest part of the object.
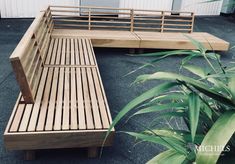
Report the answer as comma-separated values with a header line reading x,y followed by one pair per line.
x,y
62,103
131,28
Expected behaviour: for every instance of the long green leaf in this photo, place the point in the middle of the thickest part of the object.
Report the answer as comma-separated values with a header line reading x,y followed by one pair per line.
x,y
169,142
218,136
166,133
199,71
168,157
170,96
182,135
202,87
194,111
169,53
160,107
197,44
140,99
231,86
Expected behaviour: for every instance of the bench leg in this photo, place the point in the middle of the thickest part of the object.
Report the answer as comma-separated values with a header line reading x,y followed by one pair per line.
x,y
140,50
131,51
29,155
92,152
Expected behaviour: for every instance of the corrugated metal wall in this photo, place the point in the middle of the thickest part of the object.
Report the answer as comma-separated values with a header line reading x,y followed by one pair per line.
x,y
106,3
29,8
147,4
199,8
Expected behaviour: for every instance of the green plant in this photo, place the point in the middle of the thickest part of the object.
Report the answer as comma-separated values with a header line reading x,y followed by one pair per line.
x,y
206,103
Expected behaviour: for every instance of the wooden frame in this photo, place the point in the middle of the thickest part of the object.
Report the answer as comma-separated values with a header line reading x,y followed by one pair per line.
x,y
126,19
62,103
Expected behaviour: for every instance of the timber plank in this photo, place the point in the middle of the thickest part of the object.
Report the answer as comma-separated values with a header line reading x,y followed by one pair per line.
x,y
142,39
52,101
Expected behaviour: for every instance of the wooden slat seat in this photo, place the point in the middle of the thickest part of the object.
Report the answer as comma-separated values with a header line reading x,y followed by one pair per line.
x,y
62,103
67,99
70,52
102,38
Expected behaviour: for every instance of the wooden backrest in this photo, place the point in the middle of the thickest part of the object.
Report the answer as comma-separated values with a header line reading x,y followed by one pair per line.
x,y
106,18
27,58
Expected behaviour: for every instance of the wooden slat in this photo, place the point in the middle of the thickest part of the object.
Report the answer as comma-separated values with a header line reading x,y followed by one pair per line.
x,y
37,104
50,50
45,100
66,106
59,102
88,111
58,57
68,52
100,97
94,104
91,53
63,55
73,96
17,118
82,57
80,100
25,119
52,101
54,52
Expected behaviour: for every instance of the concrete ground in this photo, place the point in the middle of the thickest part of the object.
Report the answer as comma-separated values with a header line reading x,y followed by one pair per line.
x,y
113,65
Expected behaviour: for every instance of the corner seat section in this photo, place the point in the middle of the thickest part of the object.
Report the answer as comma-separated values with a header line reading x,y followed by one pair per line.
x,y
70,107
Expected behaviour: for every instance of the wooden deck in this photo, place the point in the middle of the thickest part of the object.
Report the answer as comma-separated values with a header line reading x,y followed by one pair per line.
x,y
140,39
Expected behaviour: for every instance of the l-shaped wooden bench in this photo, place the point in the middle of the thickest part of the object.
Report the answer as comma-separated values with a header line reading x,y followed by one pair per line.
x,y
62,103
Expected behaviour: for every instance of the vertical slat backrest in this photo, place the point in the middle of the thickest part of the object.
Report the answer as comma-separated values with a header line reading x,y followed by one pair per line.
x,y
106,18
27,58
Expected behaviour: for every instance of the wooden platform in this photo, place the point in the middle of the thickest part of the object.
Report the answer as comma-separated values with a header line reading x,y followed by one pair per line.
x,y
139,39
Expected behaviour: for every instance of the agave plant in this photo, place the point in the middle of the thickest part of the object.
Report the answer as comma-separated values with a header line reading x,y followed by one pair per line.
x,y
205,102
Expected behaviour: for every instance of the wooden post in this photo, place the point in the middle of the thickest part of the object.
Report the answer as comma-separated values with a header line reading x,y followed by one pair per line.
x,y
89,20
132,20
192,23
162,24
92,152
131,51
29,155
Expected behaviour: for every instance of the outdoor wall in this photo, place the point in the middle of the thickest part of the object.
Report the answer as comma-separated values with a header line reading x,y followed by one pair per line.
x,y
147,4
29,8
199,8
108,3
